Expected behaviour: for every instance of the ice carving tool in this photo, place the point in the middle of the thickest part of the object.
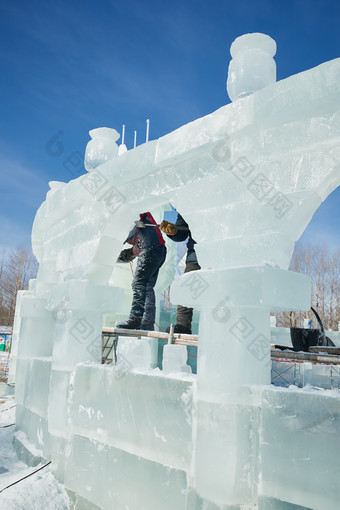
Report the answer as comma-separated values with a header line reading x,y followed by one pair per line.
x,y
140,224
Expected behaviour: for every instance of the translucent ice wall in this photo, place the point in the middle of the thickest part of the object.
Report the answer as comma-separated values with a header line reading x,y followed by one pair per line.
x,y
247,178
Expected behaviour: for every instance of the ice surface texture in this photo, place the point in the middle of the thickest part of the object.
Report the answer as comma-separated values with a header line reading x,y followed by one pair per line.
x,y
300,460
143,413
248,179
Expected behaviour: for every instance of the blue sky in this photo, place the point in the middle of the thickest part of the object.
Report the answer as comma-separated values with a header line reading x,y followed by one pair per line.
x,y
72,66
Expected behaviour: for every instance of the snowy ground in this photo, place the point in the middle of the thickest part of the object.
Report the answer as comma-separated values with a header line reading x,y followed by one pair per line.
x,y
40,491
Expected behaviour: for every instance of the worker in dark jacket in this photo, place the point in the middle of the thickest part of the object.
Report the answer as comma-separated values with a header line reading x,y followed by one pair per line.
x,y
184,315
149,246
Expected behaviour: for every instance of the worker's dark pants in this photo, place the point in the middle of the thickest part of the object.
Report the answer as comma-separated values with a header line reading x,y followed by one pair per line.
x,y
184,315
144,280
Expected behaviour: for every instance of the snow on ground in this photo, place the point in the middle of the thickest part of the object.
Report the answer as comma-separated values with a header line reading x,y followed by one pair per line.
x,y
41,491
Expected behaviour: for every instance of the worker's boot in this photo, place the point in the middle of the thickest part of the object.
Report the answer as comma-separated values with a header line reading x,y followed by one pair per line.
x,y
147,326
131,323
180,329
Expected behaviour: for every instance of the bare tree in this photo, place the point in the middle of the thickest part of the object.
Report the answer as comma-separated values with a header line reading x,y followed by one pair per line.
x,y
334,309
15,272
324,269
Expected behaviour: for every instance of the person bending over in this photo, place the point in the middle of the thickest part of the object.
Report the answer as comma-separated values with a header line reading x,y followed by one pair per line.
x,y
149,246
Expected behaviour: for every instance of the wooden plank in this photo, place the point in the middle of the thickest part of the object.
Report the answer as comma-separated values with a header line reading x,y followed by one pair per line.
x,y
191,339
135,332
329,355
305,356
326,348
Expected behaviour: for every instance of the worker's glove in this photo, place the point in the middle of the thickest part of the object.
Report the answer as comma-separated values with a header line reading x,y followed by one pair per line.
x,y
126,255
168,228
136,250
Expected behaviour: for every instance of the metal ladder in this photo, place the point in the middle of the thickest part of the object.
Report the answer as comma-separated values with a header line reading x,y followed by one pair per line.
x,y
109,348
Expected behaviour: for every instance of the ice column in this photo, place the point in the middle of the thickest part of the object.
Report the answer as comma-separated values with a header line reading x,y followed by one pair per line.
x,y
78,307
234,357
252,66
33,367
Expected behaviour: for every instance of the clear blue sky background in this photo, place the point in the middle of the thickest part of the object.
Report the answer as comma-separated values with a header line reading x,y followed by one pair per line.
x,y
72,66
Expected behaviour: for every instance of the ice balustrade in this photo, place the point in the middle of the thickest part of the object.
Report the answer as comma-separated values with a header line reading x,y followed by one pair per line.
x,y
247,178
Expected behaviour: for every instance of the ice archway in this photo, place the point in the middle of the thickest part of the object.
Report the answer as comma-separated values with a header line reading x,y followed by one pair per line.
x,y
248,179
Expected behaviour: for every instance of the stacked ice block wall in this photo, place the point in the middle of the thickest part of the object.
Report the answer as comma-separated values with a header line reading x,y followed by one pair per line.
x,y
248,179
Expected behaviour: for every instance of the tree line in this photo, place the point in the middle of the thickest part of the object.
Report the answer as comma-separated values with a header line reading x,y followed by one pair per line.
x,y
17,267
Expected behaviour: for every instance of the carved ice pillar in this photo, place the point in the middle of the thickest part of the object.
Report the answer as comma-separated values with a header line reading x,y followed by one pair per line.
x,y
16,336
78,307
233,359
33,366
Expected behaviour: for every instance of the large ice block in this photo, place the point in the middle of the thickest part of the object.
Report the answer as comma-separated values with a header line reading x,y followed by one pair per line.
x,y
308,94
288,215
82,295
16,336
22,385
146,414
240,354
39,371
270,248
300,448
263,286
32,433
212,191
280,336
227,459
140,162
121,480
47,271
36,328
101,250
175,359
78,306
137,353
77,338
58,406
203,134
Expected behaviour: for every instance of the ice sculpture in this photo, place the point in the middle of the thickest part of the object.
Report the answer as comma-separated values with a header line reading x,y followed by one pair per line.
x,y
252,66
247,178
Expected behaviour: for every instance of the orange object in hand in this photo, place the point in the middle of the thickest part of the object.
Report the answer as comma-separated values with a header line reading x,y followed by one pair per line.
x,y
168,228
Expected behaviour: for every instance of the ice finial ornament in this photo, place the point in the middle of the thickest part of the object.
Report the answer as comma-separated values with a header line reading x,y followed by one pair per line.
x,y
252,66
101,148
